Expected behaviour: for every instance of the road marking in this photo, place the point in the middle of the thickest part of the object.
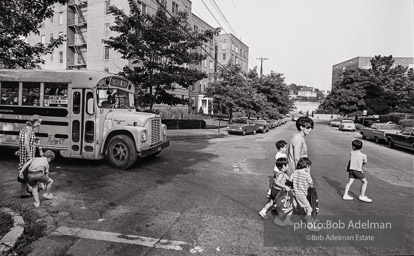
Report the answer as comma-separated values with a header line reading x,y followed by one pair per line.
x,y
127,239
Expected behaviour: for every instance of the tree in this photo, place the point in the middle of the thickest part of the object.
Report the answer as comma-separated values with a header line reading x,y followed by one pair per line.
x,y
230,90
277,94
158,46
380,90
18,19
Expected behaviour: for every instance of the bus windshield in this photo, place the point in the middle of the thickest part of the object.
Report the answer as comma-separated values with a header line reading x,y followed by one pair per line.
x,y
114,98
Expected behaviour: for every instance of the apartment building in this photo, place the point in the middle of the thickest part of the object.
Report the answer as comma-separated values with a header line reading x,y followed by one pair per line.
x,y
85,23
365,63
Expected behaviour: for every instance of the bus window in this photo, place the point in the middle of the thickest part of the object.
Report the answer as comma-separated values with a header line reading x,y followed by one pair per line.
x,y
56,95
76,102
10,93
114,98
31,94
89,131
75,130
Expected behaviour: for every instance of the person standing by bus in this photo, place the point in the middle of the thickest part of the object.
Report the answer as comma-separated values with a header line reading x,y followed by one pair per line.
x,y
27,150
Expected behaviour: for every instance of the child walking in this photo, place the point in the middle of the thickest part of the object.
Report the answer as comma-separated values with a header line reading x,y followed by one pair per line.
x,y
38,170
278,185
302,180
357,160
281,147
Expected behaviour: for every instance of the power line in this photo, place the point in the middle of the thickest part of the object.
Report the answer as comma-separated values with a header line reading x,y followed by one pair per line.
x,y
223,16
242,24
227,34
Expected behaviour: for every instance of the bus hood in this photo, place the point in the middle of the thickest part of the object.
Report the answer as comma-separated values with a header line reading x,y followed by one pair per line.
x,y
129,118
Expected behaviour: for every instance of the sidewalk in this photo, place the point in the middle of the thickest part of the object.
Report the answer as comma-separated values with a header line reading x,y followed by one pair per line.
x,y
196,133
215,129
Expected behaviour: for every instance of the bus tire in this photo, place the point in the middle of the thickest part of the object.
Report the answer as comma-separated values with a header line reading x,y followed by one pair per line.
x,y
121,152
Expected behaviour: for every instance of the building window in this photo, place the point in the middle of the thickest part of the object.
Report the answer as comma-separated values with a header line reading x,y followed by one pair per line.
x,y
224,56
43,39
237,49
107,5
106,29
142,8
174,8
211,64
195,28
51,56
60,57
60,18
106,53
51,37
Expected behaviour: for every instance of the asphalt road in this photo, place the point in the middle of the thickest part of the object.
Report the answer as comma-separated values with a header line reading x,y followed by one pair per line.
x,y
202,196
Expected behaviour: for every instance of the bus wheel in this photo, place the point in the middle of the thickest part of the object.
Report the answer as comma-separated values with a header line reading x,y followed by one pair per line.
x,y
121,152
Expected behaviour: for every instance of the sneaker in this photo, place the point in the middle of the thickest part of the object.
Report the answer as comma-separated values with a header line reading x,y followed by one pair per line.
x,y
347,197
47,196
277,221
263,214
36,205
365,199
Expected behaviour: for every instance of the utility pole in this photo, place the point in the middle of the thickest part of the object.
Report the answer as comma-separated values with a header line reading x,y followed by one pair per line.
x,y
261,65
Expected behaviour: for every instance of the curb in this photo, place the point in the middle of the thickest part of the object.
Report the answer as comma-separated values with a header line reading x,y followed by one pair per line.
x,y
10,239
196,136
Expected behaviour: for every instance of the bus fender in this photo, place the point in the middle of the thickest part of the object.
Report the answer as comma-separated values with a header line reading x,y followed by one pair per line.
x,y
133,131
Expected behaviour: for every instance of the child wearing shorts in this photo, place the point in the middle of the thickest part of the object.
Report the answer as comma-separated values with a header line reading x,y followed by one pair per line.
x,y
38,170
358,159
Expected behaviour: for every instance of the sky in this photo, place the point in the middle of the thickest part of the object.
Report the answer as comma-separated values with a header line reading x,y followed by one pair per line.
x,y
303,39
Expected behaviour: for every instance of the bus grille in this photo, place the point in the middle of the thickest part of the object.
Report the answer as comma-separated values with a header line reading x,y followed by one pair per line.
x,y
155,131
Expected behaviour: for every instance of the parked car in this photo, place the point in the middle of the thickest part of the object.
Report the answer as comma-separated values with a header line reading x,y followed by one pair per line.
x,y
404,139
272,123
377,131
262,125
335,123
242,126
347,125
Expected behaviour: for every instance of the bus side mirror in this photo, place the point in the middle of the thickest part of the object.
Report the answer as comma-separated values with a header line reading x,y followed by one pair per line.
x,y
90,106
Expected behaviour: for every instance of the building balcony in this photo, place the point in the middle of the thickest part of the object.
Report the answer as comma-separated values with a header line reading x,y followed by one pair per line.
x,y
81,22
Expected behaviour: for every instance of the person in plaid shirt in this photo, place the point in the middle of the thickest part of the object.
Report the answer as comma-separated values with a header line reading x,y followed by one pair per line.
x,y
27,150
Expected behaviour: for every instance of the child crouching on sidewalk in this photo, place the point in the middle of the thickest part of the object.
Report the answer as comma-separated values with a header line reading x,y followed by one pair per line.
x,y
38,170
278,184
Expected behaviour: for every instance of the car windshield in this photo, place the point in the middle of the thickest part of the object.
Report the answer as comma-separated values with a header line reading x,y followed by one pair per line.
x,y
240,121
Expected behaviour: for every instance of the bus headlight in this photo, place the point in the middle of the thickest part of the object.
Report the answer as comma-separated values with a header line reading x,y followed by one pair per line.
x,y
144,136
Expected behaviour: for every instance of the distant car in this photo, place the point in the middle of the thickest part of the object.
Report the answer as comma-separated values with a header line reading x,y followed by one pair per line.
x,y
262,125
404,139
347,125
242,126
377,131
335,123
272,123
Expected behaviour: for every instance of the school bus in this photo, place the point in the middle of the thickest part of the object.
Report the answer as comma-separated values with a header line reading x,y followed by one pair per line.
x,y
85,114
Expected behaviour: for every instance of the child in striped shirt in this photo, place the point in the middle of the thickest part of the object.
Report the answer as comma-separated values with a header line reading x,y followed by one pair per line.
x,y
302,180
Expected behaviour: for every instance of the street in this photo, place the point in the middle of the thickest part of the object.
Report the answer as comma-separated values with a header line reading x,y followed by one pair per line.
x,y
202,196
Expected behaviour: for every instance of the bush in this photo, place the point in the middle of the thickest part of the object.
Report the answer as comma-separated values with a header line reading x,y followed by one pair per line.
x,y
407,123
393,117
184,124
6,223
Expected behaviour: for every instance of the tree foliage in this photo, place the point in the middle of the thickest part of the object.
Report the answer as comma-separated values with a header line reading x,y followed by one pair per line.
x,y
380,90
235,91
158,47
18,19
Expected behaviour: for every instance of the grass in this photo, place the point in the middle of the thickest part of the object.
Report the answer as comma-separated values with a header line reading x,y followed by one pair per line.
x,y
34,228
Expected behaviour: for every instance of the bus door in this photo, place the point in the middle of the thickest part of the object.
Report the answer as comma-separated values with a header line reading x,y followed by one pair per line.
x,y
83,124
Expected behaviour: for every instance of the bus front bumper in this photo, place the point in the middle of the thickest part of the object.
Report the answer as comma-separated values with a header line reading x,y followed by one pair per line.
x,y
154,149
